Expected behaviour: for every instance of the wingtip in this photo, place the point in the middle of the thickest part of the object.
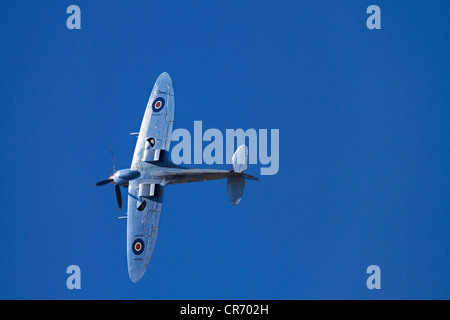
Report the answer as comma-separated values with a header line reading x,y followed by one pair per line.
x,y
136,274
165,75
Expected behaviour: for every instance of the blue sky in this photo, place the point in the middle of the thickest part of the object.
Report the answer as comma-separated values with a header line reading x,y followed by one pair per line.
x,y
364,147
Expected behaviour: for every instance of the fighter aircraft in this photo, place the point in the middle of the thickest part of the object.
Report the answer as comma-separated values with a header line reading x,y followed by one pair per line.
x,y
151,171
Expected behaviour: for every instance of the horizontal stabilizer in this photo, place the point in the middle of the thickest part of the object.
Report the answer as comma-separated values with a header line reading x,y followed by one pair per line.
x,y
240,159
235,188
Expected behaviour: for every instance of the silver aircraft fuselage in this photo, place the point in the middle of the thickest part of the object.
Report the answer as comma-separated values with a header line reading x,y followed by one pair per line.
x,y
151,171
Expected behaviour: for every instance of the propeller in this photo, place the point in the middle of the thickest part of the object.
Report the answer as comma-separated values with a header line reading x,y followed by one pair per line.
x,y
111,179
103,182
118,196
112,156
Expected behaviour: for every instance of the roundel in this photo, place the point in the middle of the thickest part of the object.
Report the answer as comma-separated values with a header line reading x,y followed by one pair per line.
x,y
138,246
158,104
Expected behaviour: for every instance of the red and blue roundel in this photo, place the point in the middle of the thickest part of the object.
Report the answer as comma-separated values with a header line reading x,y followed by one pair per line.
x,y
138,246
158,104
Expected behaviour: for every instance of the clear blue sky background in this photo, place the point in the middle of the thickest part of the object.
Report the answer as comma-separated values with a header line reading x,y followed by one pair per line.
x,y
364,147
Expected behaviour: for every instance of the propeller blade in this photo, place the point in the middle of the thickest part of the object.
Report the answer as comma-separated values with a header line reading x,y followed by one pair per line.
x,y
112,156
118,196
103,182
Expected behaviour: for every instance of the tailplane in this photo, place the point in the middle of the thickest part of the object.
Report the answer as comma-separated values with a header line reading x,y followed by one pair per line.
x,y
240,159
236,183
235,188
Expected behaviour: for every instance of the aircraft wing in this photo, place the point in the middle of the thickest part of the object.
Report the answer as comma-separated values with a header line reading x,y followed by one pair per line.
x,y
142,229
145,199
157,124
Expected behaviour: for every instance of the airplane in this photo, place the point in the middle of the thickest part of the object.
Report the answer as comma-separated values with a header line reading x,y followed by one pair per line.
x,y
151,170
